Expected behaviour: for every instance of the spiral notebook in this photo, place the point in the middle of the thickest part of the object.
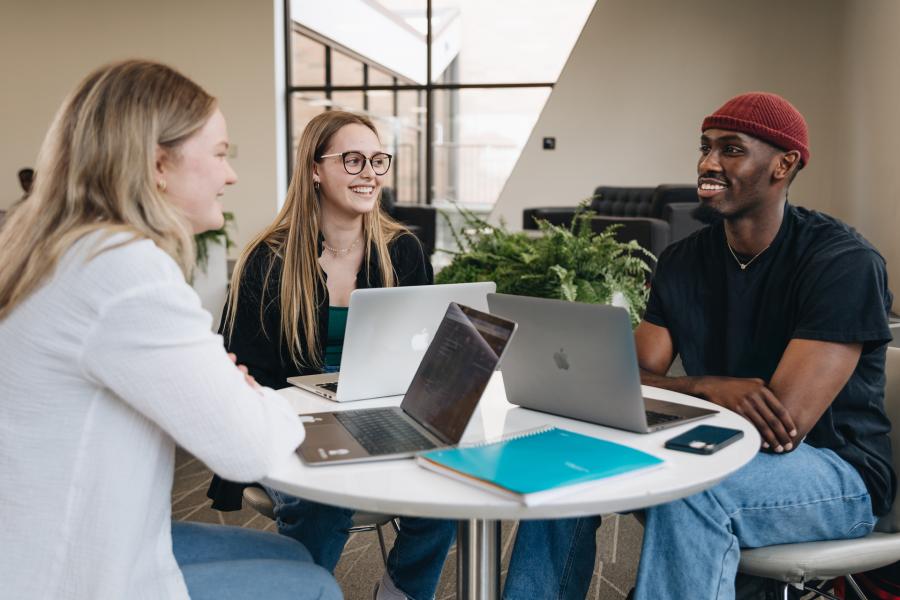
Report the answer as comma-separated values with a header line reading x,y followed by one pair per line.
x,y
535,466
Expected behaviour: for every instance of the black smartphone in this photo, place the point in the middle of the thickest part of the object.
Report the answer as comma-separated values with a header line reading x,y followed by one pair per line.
x,y
704,439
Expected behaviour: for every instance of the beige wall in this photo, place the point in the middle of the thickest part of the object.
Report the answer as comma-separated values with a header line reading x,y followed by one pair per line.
x,y
628,105
868,163
228,46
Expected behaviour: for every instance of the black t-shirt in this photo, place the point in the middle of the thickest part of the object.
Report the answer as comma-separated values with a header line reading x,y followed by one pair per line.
x,y
819,280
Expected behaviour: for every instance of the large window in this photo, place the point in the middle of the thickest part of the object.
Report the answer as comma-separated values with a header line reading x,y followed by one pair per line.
x,y
456,124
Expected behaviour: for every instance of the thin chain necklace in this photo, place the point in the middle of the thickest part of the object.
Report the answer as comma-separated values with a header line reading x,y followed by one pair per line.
x,y
744,265
338,252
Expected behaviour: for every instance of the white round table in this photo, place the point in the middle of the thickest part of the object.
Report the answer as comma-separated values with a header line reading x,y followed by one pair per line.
x,y
400,487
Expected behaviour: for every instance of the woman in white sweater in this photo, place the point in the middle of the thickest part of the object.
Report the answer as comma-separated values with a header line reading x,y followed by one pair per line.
x,y
108,361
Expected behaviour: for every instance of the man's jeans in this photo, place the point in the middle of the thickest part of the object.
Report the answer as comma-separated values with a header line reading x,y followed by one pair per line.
x,y
414,563
232,563
552,560
692,546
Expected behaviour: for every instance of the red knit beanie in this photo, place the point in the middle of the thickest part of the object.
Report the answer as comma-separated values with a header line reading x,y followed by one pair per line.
x,y
764,116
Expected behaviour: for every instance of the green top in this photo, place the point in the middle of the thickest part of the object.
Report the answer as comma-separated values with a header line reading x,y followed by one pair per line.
x,y
334,344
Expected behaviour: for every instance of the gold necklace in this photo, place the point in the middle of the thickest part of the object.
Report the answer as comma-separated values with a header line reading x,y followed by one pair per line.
x,y
744,266
338,252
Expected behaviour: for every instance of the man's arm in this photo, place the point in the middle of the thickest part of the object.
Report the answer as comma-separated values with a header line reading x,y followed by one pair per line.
x,y
809,376
749,398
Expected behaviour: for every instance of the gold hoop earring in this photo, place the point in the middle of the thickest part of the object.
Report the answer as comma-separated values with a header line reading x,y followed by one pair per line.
x,y
161,185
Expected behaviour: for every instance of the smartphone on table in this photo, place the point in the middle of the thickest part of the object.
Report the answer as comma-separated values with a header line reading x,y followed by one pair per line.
x,y
704,439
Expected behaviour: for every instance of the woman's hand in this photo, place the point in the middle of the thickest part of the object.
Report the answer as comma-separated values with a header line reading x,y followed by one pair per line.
x,y
247,376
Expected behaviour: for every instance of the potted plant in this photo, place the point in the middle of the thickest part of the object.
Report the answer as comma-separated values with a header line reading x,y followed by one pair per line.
x,y
564,262
210,276
218,236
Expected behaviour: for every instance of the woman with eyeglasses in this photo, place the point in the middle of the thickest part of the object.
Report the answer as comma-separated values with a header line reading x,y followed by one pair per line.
x,y
287,311
109,361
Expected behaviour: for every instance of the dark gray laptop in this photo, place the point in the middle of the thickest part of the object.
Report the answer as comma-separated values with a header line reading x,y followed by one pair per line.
x,y
578,360
436,409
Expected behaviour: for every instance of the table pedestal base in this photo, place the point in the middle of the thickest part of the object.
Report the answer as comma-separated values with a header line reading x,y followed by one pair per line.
x,y
478,560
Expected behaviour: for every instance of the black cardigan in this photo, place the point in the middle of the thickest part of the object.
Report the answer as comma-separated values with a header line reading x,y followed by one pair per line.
x,y
258,344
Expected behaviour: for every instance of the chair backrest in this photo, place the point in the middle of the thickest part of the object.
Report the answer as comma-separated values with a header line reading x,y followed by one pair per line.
x,y
890,522
668,193
613,201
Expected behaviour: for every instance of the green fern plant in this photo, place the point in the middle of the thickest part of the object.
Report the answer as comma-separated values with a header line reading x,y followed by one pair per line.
x,y
215,236
563,262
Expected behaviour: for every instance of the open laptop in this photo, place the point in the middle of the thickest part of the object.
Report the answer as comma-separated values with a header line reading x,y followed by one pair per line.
x,y
437,407
578,360
388,331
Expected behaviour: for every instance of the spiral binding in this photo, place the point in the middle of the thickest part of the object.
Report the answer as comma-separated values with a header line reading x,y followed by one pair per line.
x,y
510,437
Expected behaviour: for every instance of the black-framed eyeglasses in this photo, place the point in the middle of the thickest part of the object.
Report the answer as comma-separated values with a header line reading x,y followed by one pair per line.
x,y
355,162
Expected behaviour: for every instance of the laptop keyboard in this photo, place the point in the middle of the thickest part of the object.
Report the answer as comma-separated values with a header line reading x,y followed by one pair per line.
x,y
331,386
657,418
383,431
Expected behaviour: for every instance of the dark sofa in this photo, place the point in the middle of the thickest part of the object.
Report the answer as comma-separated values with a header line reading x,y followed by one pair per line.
x,y
421,219
654,216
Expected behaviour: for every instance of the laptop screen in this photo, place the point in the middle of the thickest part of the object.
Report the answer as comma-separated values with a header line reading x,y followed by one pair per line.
x,y
455,370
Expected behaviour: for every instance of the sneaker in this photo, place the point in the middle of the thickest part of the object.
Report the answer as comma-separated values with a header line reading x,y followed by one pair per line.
x,y
386,590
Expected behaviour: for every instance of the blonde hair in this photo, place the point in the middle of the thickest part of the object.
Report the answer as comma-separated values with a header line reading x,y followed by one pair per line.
x,y
294,237
96,171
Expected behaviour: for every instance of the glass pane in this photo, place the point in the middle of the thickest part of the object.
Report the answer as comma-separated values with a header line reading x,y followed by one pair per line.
x,y
407,135
307,61
504,41
304,106
479,134
378,32
379,77
345,70
351,101
381,103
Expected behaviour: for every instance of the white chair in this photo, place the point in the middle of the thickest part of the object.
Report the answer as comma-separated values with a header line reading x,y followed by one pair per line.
x,y
798,564
362,521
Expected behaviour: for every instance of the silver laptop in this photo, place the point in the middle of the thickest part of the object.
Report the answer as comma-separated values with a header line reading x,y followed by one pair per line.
x,y
388,331
578,360
437,407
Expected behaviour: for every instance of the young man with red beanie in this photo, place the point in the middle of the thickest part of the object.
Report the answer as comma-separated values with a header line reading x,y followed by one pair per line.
x,y
780,314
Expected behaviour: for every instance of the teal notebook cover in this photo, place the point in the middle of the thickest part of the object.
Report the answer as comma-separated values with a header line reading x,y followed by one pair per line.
x,y
540,461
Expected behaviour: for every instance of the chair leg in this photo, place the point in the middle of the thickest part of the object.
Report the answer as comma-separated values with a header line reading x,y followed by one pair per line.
x,y
784,591
855,587
384,555
820,591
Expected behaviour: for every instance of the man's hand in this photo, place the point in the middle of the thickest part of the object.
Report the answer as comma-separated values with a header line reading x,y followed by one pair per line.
x,y
751,399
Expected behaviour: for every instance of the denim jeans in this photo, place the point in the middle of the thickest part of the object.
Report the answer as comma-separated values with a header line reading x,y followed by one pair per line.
x,y
692,546
414,563
552,559
231,563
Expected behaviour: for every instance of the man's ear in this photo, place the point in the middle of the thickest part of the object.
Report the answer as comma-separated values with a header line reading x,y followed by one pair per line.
x,y
787,163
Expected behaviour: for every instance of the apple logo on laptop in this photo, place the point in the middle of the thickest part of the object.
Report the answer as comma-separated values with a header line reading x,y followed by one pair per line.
x,y
419,341
561,360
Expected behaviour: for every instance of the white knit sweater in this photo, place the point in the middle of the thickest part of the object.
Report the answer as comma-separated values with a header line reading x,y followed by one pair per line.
x,y
103,370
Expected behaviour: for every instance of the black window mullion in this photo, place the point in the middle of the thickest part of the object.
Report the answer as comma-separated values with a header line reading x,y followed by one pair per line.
x,y
365,87
429,106
289,80
328,86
